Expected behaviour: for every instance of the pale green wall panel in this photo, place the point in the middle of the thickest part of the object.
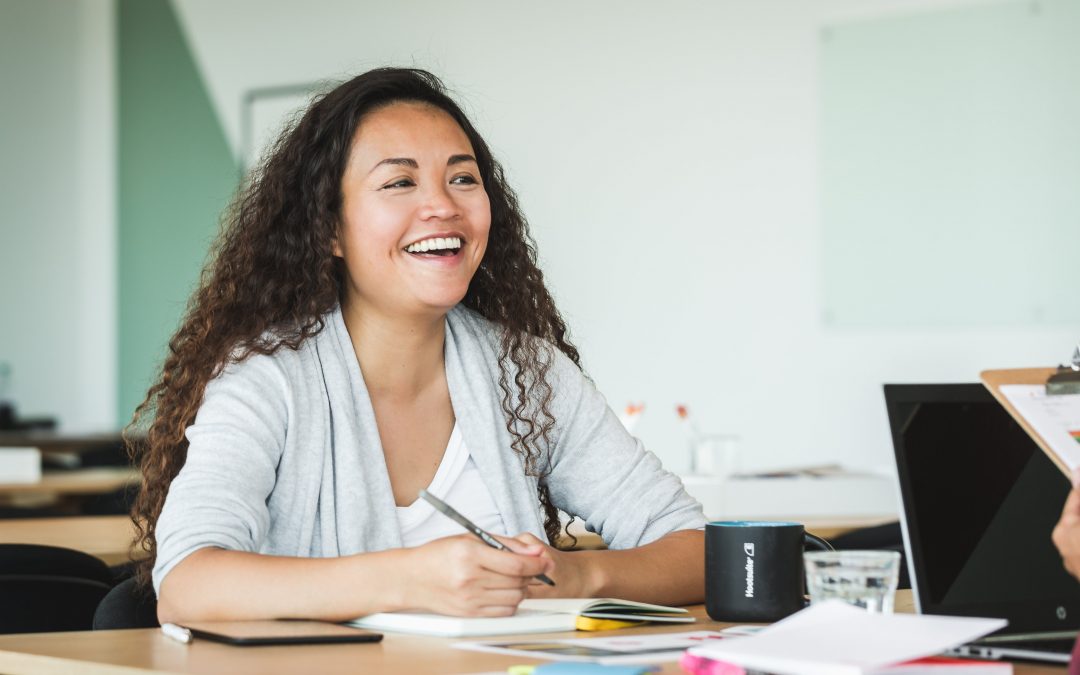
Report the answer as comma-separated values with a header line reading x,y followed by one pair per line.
x,y
951,167
176,174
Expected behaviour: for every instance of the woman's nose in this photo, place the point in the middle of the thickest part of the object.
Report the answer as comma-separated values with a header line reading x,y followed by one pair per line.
x,y
438,203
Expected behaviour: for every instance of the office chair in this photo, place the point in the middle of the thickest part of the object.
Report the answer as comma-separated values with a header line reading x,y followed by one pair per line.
x,y
47,588
127,606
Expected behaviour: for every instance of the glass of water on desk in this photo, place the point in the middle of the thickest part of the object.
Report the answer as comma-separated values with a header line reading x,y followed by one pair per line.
x,y
861,578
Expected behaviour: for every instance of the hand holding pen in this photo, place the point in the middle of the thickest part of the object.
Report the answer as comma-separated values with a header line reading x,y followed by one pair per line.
x,y
445,509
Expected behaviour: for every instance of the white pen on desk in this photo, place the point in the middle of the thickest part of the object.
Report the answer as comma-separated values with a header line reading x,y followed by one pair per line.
x,y
178,633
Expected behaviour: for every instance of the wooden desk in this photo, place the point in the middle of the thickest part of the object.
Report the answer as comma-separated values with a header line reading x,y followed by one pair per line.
x,y
107,537
126,652
94,481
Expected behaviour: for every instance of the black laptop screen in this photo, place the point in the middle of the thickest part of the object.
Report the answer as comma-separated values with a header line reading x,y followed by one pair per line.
x,y
980,501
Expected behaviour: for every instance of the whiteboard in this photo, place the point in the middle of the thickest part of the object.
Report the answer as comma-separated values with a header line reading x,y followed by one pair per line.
x,y
951,167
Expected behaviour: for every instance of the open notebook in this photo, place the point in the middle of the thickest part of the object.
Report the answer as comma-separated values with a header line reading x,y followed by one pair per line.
x,y
533,616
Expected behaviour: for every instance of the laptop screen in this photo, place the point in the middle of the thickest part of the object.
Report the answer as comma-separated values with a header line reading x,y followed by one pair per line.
x,y
980,501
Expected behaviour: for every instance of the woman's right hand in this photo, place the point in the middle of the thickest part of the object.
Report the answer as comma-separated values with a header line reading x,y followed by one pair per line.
x,y
462,576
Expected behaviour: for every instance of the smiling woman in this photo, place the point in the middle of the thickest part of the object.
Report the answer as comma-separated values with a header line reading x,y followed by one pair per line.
x,y
373,323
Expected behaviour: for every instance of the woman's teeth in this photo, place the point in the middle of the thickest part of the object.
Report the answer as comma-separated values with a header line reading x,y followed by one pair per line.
x,y
442,245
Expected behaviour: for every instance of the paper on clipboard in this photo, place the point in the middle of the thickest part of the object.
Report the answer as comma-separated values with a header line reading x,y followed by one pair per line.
x,y
1051,421
1056,419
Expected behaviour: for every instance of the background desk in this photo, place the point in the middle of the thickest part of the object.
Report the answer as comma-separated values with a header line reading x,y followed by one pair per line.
x,y
107,537
78,468
826,527
840,496
60,442
92,481
148,651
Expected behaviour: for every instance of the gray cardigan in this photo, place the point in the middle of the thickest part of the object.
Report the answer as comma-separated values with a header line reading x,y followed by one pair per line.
x,y
284,456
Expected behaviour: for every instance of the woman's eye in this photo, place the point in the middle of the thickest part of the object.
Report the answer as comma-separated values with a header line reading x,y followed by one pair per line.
x,y
400,183
463,179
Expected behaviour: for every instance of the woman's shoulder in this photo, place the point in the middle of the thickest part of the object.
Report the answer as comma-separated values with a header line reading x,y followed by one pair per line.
x,y
268,382
279,353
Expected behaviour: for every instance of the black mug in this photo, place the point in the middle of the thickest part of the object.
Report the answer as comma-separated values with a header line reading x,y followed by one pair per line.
x,y
754,569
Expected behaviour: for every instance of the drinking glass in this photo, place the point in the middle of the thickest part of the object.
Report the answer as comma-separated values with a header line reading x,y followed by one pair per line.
x,y
864,579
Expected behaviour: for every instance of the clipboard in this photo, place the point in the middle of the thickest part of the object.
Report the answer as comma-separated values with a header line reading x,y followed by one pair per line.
x,y
994,380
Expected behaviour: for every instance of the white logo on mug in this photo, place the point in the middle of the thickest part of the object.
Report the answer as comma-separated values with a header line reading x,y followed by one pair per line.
x,y
748,549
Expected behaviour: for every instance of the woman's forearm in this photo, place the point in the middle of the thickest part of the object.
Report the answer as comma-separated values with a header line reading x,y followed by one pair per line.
x,y
669,571
213,584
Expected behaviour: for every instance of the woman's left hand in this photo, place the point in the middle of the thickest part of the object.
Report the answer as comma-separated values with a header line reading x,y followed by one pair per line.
x,y
572,573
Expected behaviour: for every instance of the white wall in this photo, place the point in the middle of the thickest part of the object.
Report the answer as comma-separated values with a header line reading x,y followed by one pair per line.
x,y
667,156
57,213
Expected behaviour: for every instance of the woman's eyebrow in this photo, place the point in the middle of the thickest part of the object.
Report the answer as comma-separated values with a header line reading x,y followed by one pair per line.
x,y
412,163
397,161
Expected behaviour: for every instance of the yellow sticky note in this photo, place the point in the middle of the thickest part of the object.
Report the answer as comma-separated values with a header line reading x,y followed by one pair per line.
x,y
587,623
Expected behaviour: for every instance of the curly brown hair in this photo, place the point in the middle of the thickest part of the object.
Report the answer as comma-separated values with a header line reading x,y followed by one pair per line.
x,y
272,275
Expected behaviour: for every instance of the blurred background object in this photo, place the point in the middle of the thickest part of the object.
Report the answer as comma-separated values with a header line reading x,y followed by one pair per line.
x,y
631,415
9,416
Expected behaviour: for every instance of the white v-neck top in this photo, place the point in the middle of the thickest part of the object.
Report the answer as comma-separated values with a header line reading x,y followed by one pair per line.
x,y
457,482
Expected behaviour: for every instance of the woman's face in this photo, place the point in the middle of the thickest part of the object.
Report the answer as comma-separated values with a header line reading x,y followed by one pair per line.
x,y
415,215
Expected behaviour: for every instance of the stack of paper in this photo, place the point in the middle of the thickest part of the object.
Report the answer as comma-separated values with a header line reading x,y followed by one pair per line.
x,y
834,638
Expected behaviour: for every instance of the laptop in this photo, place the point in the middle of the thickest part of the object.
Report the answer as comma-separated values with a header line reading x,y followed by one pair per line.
x,y
979,502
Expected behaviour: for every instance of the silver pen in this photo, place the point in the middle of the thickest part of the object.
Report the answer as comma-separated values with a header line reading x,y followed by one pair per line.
x,y
449,511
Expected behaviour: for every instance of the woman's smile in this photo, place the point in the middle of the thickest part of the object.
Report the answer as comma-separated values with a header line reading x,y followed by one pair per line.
x,y
442,245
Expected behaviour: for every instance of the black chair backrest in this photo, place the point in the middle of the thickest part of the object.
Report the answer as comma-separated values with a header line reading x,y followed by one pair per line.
x,y
127,606
52,561
47,588
35,603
